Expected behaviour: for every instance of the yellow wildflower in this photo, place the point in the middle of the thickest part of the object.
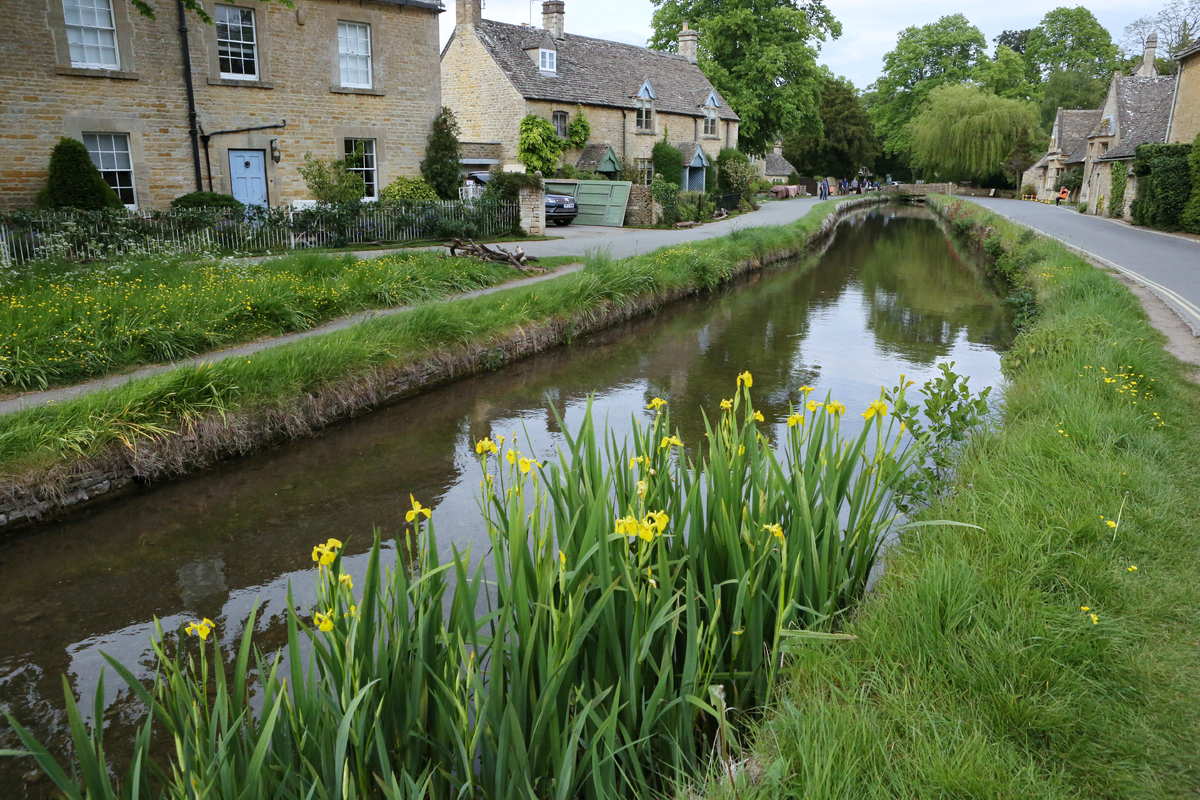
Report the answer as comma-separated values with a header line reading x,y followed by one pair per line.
x,y
1112,523
807,390
775,529
511,456
745,379
525,465
655,404
345,580
1085,608
1095,618
323,621
658,520
726,405
1131,568
323,554
202,628
417,510
670,441
642,487
795,419
835,408
486,446
813,405
353,611
876,409
633,462
758,416
562,559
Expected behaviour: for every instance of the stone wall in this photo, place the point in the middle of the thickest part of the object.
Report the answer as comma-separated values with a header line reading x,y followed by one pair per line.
x,y
641,209
42,97
532,203
1185,119
487,105
1099,187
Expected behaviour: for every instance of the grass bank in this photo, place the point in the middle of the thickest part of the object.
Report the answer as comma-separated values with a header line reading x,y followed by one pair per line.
x,y
1052,654
185,419
66,323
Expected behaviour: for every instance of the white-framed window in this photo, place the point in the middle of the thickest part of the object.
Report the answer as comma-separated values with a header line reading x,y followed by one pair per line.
x,y
645,115
110,154
710,121
548,60
645,169
360,158
91,34
237,43
354,54
561,120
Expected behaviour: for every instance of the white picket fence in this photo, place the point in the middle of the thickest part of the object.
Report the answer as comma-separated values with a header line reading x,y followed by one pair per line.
x,y
91,236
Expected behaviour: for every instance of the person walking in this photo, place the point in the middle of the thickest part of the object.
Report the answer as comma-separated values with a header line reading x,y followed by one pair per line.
x,y
1063,194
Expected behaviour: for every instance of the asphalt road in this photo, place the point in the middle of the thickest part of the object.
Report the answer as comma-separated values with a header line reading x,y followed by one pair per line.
x,y
1169,265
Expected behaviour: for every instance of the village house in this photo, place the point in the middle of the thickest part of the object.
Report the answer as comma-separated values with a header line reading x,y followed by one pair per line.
x,y
774,167
494,74
1136,111
231,106
1068,148
1184,124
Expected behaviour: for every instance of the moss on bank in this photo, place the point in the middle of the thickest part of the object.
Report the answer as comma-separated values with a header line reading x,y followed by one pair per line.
x,y
977,669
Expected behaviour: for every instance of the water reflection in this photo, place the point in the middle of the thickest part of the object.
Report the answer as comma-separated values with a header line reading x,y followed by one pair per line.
x,y
889,296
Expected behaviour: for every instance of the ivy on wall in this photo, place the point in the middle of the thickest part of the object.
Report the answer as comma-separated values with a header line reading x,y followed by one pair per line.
x,y
1164,185
1116,204
539,147
1190,219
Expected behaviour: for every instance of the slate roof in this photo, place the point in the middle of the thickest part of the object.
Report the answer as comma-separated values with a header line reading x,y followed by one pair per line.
x,y
1187,51
598,72
778,165
591,156
1143,111
1074,125
432,5
690,150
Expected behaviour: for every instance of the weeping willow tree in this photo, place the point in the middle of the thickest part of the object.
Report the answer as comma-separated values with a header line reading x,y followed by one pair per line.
x,y
968,133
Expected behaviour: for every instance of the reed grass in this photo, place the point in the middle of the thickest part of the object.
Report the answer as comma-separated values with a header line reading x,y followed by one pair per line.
x,y
628,620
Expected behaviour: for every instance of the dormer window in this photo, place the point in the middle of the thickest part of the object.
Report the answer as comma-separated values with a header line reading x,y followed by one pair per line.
x,y
548,60
710,121
645,108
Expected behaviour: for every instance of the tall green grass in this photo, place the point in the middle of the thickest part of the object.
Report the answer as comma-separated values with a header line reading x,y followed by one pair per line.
x,y
976,668
68,323
627,620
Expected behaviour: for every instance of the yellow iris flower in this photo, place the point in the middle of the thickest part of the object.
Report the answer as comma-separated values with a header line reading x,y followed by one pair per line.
x,y
670,441
486,446
795,419
775,529
201,628
417,510
876,409
835,408
726,405
346,580
813,405
323,621
745,379
807,390
758,416
655,404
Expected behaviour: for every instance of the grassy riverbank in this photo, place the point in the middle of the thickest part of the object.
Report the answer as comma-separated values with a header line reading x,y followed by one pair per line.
x,y
66,323
160,411
977,668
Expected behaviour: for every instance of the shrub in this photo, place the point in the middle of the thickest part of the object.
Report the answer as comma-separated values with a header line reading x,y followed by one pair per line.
x,y
794,179
727,156
1027,189
332,182
668,162
407,190
1190,219
538,147
1116,203
1164,184
208,200
737,175
761,186
579,131
666,194
443,157
506,186
74,181
694,206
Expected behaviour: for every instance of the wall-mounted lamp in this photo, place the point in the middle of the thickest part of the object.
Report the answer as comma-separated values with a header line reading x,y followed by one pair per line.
x,y
275,154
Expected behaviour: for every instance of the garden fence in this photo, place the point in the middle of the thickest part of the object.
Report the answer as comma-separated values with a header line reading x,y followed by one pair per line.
x,y
94,235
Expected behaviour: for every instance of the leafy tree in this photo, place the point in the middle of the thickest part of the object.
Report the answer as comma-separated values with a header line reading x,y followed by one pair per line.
x,y
1014,40
579,131
760,54
1177,25
331,182
968,133
925,57
1071,39
1006,74
847,141
74,181
442,164
668,162
1069,89
538,146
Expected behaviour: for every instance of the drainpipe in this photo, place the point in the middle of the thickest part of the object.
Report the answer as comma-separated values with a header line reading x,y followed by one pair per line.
x,y
206,137
193,124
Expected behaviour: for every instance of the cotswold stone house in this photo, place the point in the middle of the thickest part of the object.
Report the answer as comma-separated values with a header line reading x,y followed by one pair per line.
x,y
1185,112
494,74
1068,148
774,167
232,106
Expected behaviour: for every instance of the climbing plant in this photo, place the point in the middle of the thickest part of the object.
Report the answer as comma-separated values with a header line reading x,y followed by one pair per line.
x,y
1116,203
1164,184
579,131
1190,219
539,147
668,162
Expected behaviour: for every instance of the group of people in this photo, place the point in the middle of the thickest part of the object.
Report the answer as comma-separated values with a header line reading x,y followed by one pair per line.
x,y
855,185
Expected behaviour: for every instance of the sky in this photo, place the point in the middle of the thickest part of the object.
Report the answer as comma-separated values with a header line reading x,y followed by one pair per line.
x,y
869,27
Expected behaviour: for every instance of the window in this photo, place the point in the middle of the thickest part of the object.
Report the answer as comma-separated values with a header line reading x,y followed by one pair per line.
x,y
110,154
710,122
354,54
360,158
548,60
645,115
91,34
237,45
560,123
645,168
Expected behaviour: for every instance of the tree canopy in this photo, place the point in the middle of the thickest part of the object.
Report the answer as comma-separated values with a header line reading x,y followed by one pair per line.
x,y
1069,89
847,140
1071,39
760,54
925,57
1006,74
1177,25
967,133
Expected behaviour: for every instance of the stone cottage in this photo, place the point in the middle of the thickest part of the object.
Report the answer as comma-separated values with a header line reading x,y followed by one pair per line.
x,y
774,167
1185,112
494,74
170,105
1068,148
1136,111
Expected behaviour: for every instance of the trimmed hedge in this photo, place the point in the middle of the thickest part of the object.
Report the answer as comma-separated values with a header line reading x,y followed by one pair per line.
x,y
208,200
1164,184
1190,219
74,181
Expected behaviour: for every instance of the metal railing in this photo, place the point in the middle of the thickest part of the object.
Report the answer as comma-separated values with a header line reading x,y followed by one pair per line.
x,y
95,235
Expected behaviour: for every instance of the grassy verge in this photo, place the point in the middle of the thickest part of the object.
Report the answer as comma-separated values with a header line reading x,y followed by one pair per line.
x,y
166,406
978,669
67,323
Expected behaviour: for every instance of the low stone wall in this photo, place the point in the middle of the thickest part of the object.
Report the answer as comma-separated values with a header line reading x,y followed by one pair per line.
x,y
641,210
43,495
532,204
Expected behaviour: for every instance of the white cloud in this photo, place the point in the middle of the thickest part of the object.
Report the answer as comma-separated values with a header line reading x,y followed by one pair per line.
x,y
869,27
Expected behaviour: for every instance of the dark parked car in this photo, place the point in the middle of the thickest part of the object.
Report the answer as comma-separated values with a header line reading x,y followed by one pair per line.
x,y
561,209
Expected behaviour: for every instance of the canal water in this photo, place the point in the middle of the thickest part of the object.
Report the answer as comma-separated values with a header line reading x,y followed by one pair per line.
x,y
889,296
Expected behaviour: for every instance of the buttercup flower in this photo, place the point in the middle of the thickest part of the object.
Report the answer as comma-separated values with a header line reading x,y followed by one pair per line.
x,y
655,404
1095,618
877,408
202,628
795,419
745,379
1131,568
417,510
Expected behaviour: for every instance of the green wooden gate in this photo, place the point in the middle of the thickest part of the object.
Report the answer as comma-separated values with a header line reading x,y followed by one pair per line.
x,y
600,202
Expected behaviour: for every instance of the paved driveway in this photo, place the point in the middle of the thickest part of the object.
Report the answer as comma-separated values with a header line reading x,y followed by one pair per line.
x,y
1169,265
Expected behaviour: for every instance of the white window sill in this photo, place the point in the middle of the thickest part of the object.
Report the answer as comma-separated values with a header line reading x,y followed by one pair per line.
x,y
97,72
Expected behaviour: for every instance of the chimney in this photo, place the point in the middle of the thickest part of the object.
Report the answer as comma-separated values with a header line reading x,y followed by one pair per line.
x,y
469,12
688,42
553,17
1147,69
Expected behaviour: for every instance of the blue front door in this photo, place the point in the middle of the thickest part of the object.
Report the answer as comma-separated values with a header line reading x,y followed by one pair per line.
x,y
248,176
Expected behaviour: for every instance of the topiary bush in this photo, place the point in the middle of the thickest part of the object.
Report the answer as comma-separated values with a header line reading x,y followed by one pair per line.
x,y
668,163
1190,218
1164,184
212,200
404,191
74,181
443,156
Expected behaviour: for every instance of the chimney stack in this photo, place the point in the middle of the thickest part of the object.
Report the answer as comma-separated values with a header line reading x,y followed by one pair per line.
x,y
689,41
1147,69
468,12
554,17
